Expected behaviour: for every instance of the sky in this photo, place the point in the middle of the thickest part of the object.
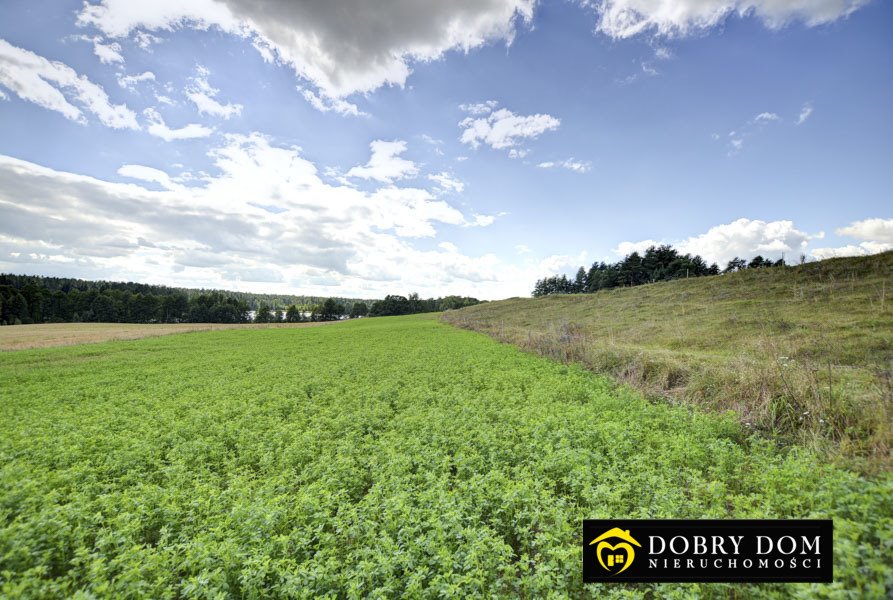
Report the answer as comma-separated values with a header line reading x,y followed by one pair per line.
x,y
358,149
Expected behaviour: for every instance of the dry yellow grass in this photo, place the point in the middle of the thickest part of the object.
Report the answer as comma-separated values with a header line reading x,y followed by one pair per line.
x,y
21,337
805,352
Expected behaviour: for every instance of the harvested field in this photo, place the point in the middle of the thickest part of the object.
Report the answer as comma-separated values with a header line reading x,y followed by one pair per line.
x,y
21,337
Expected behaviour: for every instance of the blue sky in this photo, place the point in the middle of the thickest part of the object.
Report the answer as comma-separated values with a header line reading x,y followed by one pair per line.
x,y
358,149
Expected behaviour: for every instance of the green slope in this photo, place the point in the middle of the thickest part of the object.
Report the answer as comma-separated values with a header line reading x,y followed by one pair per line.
x,y
805,352
386,458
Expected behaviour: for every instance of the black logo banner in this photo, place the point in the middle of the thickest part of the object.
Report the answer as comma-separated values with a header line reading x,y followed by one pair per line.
x,y
748,551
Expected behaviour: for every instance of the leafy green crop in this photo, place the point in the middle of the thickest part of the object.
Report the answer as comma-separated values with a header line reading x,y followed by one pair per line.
x,y
385,458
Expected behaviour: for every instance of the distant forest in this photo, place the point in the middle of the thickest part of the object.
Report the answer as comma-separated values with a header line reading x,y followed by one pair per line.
x,y
658,263
28,299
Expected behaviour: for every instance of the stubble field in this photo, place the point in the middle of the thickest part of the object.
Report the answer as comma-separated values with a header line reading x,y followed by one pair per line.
x,y
46,335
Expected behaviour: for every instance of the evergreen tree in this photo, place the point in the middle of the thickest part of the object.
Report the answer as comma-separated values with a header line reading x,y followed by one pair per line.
x,y
736,264
359,309
264,315
580,281
293,314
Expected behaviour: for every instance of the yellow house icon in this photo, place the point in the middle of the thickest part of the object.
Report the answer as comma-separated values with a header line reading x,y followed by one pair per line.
x,y
622,552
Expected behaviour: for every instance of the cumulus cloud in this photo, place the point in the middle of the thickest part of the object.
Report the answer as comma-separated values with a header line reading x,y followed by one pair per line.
x,y
577,166
57,87
863,249
200,93
878,230
501,128
375,46
805,113
385,164
877,236
324,104
217,233
744,238
159,128
625,248
679,18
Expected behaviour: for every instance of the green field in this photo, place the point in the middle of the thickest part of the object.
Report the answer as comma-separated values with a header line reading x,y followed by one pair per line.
x,y
393,457
803,353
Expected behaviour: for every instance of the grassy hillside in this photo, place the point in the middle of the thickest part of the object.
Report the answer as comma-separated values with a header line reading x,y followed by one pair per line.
x,y
385,458
805,352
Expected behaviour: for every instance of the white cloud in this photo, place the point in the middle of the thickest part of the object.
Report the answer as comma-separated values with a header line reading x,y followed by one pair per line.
x,y
128,82
502,129
662,53
447,182
873,230
144,173
376,45
326,104
3,95
749,128
479,108
200,93
54,86
577,166
625,248
159,128
107,53
805,113
863,249
145,40
744,238
435,144
518,152
263,215
385,164
679,18
483,220
648,69
766,117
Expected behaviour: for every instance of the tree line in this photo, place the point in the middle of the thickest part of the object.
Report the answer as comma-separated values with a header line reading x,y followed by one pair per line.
x,y
657,263
400,305
28,299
